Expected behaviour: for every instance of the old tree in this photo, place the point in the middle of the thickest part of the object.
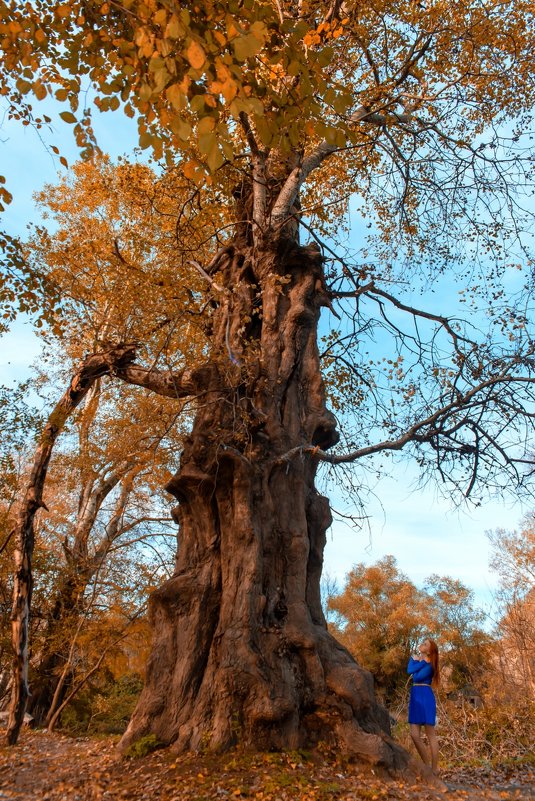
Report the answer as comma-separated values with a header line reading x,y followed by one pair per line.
x,y
271,115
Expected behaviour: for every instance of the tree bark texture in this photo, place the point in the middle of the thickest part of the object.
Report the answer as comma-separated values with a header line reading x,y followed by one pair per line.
x,y
241,649
91,369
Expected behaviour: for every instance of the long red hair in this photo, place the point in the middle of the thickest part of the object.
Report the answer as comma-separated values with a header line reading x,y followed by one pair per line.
x,y
433,658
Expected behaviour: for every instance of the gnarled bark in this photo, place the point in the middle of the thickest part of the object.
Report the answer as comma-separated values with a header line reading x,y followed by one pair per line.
x,y
241,648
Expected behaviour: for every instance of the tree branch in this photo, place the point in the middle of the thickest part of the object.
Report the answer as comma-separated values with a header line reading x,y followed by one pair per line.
x,y
171,385
259,178
298,176
415,433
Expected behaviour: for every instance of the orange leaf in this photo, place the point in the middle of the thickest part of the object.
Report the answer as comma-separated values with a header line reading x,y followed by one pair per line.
x,y
195,55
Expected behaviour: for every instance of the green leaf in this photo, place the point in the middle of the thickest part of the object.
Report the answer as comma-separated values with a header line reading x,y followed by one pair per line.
x,y
176,97
175,29
325,56
264,131
207,143
181,128
145,91
215,159
206,125
254,106
197,104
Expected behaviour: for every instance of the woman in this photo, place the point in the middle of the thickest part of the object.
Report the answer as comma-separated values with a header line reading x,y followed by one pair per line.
x,y
422,705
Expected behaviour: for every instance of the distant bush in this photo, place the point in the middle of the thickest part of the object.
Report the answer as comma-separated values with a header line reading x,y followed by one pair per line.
x,y
104,708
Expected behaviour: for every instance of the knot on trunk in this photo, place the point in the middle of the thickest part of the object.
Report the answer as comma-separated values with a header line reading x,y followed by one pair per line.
x,y
325,434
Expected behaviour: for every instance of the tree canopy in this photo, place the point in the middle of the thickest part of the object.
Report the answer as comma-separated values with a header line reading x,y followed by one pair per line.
x,y
412,99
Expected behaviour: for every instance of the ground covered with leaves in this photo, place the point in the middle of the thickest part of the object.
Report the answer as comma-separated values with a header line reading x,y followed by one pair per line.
x,y
54,767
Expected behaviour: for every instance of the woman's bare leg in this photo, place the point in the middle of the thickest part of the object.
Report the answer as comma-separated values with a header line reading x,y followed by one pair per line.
x,y
418,743
433,746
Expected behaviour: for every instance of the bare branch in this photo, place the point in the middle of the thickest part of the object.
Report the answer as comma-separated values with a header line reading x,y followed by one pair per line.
x,y
424,430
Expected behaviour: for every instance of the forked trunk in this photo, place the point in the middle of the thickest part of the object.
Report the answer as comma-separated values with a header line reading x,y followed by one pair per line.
x,y
241,648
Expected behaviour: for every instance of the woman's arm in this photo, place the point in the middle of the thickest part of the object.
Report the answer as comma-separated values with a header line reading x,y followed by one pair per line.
x,y
420,669
414,664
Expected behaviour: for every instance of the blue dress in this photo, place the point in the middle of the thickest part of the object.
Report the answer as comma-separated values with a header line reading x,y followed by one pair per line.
x,y
422,703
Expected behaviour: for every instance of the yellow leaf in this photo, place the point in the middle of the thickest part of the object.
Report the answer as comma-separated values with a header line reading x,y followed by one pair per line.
x,y
160,17
190,169
23,86
195,54
214,159
245,47
232,30
39,90
145,140
175,29
182,129
207,143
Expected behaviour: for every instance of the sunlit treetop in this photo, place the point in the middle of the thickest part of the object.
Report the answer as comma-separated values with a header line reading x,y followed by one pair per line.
x,y
286,75
421,108
120,254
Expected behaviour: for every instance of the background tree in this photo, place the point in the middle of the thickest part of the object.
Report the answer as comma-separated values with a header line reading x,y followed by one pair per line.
x,y
513,559
106,479
459,625
18,422
421,111
104,498
383,616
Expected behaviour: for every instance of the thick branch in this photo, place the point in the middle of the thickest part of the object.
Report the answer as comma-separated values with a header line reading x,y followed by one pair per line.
x,y
259,178
171,385
422,431
298,176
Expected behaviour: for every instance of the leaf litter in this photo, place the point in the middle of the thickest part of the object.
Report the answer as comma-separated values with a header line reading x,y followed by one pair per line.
x,y
56,767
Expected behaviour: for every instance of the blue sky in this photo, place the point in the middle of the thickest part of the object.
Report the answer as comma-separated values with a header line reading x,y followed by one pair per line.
x,y
423,531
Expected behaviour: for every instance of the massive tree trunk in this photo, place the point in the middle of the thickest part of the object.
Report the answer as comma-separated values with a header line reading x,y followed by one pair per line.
x,y
241,648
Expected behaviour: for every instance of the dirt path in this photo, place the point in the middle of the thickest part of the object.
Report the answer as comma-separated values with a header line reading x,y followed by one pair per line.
x,y
54,767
